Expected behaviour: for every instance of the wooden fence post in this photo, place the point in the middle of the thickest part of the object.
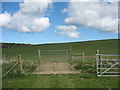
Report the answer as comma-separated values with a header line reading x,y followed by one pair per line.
x,y
83,58
70,54
67,55
4,57
97,52
39,55
96,61
20,62
99,58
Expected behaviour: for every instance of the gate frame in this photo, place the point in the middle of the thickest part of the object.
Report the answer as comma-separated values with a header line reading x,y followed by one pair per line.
x,y
99,63
39,53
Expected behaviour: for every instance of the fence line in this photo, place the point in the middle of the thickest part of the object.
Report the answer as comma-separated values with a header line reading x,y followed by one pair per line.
x,y
53,50
10,69
48,55
107,55
19,62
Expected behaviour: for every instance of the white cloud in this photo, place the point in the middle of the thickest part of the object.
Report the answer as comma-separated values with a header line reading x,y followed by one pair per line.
x,y
37,0
84,0
4,19
26,23
64,10
111,0
70,31
100,16
30,18
93,0
34,7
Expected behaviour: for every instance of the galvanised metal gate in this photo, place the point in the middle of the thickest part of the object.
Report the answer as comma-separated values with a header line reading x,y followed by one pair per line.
x,y
53,55
107,65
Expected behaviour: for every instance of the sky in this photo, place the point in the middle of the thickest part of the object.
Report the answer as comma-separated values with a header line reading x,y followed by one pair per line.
x,y
58,22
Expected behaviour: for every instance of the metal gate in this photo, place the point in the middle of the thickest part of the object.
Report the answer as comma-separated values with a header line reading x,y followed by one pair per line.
x,y
107,65
53,55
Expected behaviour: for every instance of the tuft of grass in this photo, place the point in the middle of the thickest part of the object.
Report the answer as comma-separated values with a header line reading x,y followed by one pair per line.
x,y
87,68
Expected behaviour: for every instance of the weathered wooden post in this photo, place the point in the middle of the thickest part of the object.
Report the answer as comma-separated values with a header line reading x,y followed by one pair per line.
x,y
4,57
98,52
20,62
98,61
97,58
39,55
70,55
83,57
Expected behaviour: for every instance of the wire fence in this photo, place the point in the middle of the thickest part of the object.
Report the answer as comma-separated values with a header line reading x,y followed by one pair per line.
x,y
31,61
28,64
53,55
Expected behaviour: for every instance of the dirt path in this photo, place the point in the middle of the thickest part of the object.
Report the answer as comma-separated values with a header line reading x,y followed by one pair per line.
x,y
55,68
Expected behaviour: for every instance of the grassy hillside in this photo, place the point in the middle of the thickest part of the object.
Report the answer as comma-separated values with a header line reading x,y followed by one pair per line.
x,y
88,47
85,79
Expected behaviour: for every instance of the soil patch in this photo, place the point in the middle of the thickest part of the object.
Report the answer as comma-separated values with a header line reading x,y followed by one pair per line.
x,y
55,68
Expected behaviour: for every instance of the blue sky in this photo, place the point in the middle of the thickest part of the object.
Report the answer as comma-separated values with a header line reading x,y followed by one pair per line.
x,y
56,18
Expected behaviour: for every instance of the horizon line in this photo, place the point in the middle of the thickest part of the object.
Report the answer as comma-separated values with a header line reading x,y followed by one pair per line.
x,y
56,42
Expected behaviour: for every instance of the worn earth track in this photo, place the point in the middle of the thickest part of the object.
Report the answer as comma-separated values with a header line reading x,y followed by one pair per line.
x,y
55,68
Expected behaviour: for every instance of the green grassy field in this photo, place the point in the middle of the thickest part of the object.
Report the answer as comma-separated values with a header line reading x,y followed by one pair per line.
x,y
89,47
82,80
86,79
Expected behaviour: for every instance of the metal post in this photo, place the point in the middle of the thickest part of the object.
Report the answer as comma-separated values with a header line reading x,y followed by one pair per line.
x,y
97,64
101,62
97,60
